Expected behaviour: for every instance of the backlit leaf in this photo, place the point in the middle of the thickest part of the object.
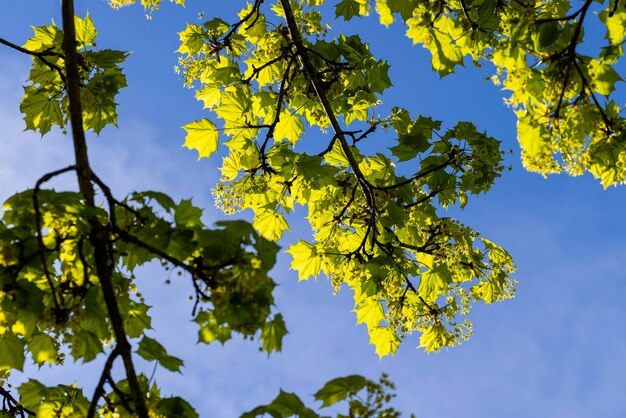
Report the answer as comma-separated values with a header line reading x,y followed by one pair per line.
x,y
202,136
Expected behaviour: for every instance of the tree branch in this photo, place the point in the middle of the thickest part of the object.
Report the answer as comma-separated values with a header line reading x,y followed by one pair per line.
x,y
40,55
320,92
42,248
13,406
317,84
99,391
98,235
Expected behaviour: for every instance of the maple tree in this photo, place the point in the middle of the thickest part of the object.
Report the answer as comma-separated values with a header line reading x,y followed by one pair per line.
x,y
293,104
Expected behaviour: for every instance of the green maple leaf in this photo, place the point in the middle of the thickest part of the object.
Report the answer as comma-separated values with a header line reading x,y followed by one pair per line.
x,y
191,39
386,17
85,31
202,136
347,9
273,333
615,25
289,127
44,38
284,405
41,109
186,214
176,407
210,95
487,291
270,224
210,330
339,389
42,348
435,337
150,349
404,7
86,345
369,311
98,96
235,105
385,340
604,77
305,260
11,352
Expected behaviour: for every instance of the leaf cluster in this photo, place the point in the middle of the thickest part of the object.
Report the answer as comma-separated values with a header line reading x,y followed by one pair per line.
x,y
568,117
364,398
273,72
68,263
45,101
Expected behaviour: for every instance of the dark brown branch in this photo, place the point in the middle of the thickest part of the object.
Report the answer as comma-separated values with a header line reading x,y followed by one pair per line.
x,y
13,405
320,92
582,10
347,205
452,157
98,236
99,391
120,394
195,272
426,198
614,9
113,202
571,53
471,21
559,105
257,70
420,249
226,38
605,118
364,135
329,148
81,256
279,106
317,84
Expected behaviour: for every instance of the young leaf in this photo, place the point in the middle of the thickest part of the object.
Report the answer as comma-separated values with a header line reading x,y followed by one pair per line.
x,y
284,405
370,312
273,333
385,340
339,389
151,349
186,214
347,9
210,329
305,259
42,348
11,352
202,136
270,224
176,407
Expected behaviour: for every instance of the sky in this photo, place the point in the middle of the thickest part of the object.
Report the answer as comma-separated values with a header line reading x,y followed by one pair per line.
x,y
555,350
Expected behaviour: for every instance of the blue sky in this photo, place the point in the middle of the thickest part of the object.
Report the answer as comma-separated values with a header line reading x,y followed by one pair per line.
x,y
555,350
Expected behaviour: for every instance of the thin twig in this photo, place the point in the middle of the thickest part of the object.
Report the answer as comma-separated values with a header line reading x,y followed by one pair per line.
x,y
42,247
452,157
39,55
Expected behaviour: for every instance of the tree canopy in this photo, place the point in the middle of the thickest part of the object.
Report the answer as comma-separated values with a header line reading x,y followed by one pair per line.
x,y
296,103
